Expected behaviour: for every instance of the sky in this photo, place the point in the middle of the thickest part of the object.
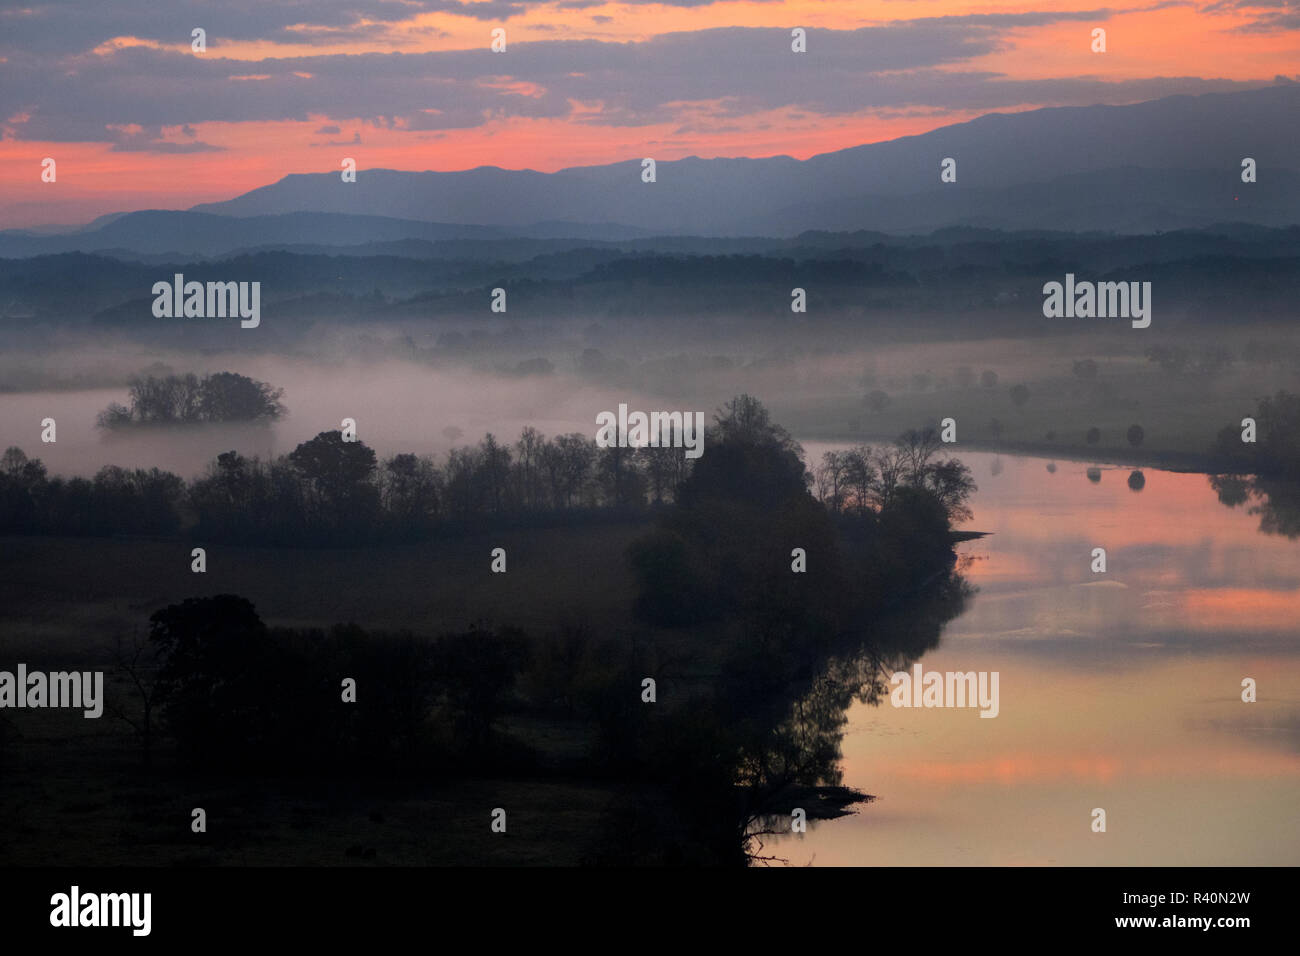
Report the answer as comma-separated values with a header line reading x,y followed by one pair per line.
x,y
134,117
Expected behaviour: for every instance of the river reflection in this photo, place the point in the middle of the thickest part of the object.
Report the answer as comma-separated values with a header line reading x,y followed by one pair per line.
x,y
1119,690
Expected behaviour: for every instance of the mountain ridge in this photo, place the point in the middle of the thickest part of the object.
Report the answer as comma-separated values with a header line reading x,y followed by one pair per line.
x,y
1160,165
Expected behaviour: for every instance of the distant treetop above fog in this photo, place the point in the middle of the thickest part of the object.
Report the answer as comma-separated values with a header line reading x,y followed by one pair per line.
x,y
188,399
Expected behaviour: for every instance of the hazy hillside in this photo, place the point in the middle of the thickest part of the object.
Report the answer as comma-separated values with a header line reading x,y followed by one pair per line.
x,y
1164,164
1207,273
1158,166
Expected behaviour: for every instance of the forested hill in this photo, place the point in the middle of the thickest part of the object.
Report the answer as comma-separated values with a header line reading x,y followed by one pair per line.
x,y
1195,271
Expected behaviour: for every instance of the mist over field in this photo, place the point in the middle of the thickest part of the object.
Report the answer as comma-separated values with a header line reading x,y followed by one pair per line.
x,y
412,393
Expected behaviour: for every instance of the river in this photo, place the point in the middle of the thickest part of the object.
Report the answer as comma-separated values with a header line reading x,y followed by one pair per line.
x,y
1119,690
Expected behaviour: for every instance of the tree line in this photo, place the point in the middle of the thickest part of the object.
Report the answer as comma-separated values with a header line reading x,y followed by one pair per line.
x,y
328,490
332,491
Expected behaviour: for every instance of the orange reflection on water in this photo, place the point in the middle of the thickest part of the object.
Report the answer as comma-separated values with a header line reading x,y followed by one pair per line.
x,y
1093,768
1119,690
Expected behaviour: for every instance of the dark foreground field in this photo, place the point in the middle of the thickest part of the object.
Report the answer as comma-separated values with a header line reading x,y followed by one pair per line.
x,y
69,596
80,779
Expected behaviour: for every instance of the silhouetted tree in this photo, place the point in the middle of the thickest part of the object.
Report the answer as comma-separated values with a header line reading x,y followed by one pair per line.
x,y
229,397
475,671
218,681
138,658
337,475
410,494
186,399
621,481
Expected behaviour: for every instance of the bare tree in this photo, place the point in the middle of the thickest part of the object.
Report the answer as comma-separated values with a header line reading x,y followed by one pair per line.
x,y
915,450
831,479
138,659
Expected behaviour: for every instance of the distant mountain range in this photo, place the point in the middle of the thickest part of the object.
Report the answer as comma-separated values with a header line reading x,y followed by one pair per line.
x,y
1173,163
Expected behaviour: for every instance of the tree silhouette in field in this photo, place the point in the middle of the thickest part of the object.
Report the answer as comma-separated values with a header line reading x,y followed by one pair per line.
x,y
187,399
139,659
228,397
218,680
1135,435
337,475
477,671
